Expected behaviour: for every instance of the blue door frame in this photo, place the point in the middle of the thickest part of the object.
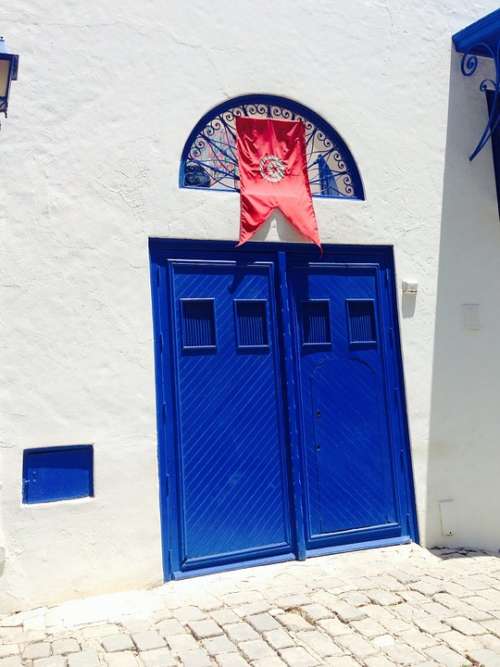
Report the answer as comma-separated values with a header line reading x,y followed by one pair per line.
x,y
380,258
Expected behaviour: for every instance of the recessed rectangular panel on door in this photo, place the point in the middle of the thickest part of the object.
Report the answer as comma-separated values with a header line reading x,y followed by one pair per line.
x,y
349,459
231,459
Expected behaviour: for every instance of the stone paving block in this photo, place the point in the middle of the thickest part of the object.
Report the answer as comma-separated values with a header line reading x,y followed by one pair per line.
x,y
256,650
118,642
149,640
347,612
491,642
123,659
418,640
231,660
383,598
483,604
225,615
407,611
430,625
38,650
428,586
263,622
413,597
319,643
187,614
459,642
219,645
252,608
268,662
315,612
448,600
8,649
205,629
485,657
493,626
445,657
355,598
402,654
465,626
160,657
241,598
437,610
378,661
278,639
298,657
12,661
134,625
294,621
241,632
208,602
197,658
53,661
87,658
292,601
334,627
182,643
101,630
345,661
170,627
65,646
472,613
455,589
357,645
368,627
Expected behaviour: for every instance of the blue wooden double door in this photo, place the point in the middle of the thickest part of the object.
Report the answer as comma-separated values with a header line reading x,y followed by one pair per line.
x,y
282,426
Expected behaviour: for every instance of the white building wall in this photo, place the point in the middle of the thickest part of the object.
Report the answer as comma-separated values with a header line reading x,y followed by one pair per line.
x,y
107,94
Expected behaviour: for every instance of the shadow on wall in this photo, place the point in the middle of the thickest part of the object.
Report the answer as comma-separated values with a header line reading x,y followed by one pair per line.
x,y
463,480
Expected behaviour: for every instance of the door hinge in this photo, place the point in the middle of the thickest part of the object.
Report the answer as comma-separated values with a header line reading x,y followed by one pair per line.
x,y
167,484
161,343
164,411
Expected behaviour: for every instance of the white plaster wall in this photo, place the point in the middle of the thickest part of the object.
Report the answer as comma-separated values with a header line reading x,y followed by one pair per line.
x,y
107,94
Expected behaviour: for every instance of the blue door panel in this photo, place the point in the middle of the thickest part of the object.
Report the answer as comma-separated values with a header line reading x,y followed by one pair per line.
x,y
347,450
277,365
232,481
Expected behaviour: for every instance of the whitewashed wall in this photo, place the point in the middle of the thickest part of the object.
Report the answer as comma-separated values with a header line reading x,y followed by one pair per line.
x,y
107,94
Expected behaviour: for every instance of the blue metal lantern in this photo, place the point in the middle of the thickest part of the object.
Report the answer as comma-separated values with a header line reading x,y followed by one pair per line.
x,y
8,72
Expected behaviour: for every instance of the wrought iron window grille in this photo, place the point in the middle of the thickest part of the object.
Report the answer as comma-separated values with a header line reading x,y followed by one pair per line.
x,y
209,159
482,39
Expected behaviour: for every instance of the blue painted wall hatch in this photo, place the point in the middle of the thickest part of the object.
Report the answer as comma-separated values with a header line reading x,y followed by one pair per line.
x,y
58,473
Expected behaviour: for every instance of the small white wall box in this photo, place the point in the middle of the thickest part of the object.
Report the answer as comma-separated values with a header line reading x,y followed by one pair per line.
x,y
409,287
470,315
447,511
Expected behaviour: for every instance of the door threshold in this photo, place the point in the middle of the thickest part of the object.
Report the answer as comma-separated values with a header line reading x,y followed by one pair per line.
x,y
228,567
358,546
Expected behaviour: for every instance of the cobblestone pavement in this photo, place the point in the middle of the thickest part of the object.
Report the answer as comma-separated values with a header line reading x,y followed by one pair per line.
x,y
394,606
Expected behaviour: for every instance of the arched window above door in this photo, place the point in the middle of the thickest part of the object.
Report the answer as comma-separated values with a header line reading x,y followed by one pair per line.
x,y
209,158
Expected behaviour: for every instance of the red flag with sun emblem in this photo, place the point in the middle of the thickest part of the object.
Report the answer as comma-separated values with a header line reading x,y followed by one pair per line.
x,y
273,174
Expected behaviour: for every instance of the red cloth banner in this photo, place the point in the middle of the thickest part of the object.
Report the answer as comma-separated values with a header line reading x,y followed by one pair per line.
x,y
273,174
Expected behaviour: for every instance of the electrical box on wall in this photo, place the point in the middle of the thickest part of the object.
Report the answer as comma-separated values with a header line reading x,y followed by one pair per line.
x,y
470,316
409,287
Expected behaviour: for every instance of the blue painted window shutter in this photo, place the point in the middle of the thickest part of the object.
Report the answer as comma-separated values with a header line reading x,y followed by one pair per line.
x,y
251,323
316,322
198,324
361,321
